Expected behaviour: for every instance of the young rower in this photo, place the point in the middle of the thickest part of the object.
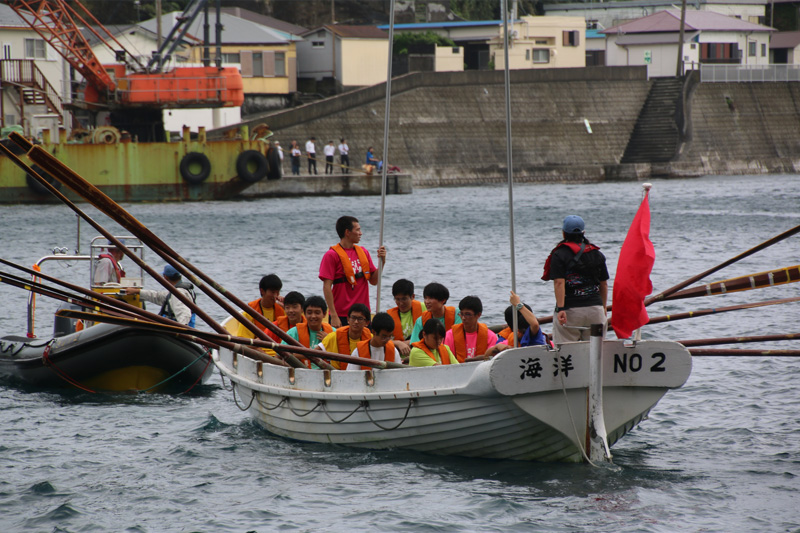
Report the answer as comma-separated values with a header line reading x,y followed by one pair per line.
x,y
470,338
313,330
528,331
346,338
268,304
407,312
430,351
436,296
380,347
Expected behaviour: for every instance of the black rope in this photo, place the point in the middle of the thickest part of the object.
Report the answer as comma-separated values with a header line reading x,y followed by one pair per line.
x,y
234,387
265,406
411,402
325,408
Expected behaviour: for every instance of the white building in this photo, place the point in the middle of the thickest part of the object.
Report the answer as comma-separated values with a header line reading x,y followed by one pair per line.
x,y
709,38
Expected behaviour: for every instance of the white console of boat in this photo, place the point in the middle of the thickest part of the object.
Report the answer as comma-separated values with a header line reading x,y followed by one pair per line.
x,y
529,403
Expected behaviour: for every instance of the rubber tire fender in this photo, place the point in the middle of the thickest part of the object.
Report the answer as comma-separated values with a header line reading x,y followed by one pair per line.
x,y
195,158
274,159
242,166
38,188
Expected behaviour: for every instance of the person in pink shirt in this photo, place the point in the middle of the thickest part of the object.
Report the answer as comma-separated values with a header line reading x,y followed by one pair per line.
x,y
470,338
347,271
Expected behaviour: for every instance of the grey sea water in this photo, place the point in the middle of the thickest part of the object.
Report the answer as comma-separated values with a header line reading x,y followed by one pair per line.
x,y
720,454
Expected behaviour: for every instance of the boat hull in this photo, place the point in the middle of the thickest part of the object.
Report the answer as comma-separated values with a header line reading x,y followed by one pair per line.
x,y
105,358
483,409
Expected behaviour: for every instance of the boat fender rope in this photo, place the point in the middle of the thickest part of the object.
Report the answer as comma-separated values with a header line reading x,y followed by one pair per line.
x,y
411,401
295,413
225,387
325,408
60,373
569,410
252,397
267,407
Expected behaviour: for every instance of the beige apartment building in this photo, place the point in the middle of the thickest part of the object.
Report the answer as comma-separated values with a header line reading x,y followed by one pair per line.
x,y
541,42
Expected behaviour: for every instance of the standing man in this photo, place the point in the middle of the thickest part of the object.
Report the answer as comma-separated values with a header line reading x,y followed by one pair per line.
x,y
107,269
344,156
311,154
330,151
347,271
580,281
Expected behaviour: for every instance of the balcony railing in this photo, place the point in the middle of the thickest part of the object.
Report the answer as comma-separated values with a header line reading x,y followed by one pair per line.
x,y
748,73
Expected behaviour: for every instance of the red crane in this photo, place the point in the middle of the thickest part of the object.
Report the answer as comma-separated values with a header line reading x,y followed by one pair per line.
x,y
113,86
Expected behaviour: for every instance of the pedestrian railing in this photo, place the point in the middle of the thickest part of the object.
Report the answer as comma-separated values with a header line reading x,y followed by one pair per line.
x,y
748,73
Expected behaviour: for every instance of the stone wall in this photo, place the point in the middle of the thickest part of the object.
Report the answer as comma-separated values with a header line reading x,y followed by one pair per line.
x,y
742,128
449,128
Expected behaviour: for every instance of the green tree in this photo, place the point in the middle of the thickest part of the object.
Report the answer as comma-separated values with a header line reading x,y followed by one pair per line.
x,y
403,40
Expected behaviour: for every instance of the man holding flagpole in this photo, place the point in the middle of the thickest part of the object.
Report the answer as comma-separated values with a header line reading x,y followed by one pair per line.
x,y
580,282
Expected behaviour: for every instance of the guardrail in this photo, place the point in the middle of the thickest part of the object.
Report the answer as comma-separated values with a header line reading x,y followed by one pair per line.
x,y
748,73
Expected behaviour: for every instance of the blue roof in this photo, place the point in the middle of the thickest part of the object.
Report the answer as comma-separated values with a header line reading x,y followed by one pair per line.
x,y
459,24
594,34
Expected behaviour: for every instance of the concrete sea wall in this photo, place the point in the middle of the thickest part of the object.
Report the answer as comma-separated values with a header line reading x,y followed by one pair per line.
x,y
449,128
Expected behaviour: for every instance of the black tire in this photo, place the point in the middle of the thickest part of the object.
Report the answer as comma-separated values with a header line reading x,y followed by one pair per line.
x,y
189,168
274,159
36,186
251,159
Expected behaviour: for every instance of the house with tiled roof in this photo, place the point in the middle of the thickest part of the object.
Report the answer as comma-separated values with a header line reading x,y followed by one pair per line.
x,y
350,56
709,38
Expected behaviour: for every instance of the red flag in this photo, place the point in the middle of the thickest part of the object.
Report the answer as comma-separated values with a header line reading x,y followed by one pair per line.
x,y
632,280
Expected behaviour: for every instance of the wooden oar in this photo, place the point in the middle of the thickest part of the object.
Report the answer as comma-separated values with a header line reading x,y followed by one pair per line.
x,y
738,353
123,308
216,338
736,340
89,191
771,278
717,310
778,238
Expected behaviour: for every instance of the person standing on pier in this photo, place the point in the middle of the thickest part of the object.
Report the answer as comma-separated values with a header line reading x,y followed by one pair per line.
x,y
347,271
330,151
295,154
344,156
311,154
580,282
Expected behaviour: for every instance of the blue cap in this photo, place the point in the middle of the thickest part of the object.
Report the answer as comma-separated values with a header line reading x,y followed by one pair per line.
x,y
170,272
573,224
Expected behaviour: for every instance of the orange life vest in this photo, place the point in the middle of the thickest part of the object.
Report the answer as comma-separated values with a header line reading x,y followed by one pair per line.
x,y
364,351
304,336
506,333
443,355
460,341
449,317
349,275
394,312
283,322
255,305
343,339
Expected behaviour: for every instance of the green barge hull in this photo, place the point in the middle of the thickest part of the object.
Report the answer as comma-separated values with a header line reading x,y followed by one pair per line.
x,y
129,171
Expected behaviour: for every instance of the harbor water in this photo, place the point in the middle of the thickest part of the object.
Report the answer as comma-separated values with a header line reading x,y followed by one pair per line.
x,y
720,454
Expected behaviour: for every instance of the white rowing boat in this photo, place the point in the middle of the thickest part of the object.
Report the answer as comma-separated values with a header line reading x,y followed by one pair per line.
x,y
526,403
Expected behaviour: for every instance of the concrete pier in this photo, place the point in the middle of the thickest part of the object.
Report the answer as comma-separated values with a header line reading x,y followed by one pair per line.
x,y
329,185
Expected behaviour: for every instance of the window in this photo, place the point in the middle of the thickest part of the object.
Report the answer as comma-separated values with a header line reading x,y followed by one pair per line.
x,y
527,55
751,49
541,42
34,49
230,58
317,44
280,63
6,51
693,46
763,50
571,38
258,65
541,55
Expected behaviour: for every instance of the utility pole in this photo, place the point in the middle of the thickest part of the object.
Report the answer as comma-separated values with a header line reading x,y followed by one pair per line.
x,y
680,41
